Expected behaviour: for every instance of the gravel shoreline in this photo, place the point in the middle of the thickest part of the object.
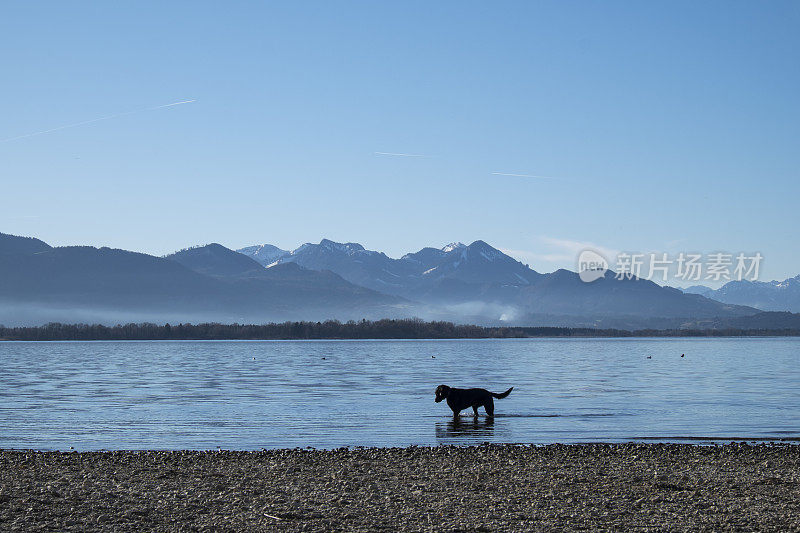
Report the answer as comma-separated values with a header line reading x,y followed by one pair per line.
x,y
446,488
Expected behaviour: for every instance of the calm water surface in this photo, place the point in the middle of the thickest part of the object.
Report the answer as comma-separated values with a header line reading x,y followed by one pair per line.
x,y
271,394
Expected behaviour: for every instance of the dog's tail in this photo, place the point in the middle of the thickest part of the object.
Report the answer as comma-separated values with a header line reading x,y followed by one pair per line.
x,y
503,394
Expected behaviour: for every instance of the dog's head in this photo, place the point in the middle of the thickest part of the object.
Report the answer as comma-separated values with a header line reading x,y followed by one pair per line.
x,y
441,392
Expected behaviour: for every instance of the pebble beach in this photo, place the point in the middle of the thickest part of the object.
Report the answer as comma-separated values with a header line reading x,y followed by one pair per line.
x,y
656,487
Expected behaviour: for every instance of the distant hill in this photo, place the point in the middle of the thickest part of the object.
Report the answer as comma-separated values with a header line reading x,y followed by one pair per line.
x,y
216,260
473,283
563,292
83,274
768,296
207,283
264,254
772,320
12,244
417,274
479,283
702,290
290,282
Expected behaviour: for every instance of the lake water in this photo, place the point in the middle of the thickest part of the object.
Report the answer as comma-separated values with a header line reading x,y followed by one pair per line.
x,y
275,394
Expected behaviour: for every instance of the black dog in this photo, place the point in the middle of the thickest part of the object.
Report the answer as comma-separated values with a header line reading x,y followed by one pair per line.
x,y
460,399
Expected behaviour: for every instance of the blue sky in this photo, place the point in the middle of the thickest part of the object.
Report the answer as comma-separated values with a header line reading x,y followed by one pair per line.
x,y
659,126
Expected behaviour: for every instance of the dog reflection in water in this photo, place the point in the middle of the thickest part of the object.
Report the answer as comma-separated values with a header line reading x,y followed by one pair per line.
x,y
466,427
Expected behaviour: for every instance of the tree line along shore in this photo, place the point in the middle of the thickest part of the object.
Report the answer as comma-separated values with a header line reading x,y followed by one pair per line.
x,y
333,329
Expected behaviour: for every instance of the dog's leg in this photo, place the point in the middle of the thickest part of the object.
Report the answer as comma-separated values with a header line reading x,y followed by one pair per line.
x,y
475,410
489,406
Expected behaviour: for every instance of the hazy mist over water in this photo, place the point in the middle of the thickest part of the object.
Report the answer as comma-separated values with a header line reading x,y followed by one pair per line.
x,y
272,394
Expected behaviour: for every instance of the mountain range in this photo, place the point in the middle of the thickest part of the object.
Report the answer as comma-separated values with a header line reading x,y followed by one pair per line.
x,y
765,295
481,282
40,283
473,283
452,273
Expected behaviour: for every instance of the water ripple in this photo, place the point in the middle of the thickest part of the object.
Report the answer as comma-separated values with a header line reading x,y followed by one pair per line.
x,y
204,395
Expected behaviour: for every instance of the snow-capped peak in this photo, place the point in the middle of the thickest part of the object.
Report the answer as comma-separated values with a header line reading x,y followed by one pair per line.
x,y
453,246
263,253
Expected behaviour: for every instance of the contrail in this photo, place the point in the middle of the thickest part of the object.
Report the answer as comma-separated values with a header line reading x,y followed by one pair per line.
x,y
175,103
107,117
525,176
399,155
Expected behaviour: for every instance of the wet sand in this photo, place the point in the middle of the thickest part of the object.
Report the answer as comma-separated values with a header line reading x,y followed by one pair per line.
x,y
484,488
